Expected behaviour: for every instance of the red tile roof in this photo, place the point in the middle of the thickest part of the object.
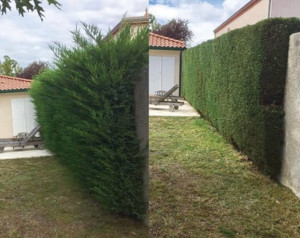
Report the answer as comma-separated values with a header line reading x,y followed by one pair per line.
x,y
156,40
8,83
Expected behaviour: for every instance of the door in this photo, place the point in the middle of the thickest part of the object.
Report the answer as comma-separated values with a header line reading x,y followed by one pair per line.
x,y
154,74
23,115
161,73
168,73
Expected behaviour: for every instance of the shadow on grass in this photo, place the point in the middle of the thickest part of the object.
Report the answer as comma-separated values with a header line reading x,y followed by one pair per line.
x,y
200,186
40,198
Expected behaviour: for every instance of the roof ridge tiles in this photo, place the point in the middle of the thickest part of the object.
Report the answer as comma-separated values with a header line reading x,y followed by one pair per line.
x,y
9,83
156,40
15,78
167,38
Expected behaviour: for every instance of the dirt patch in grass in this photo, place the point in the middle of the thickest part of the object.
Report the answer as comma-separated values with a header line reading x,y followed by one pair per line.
x,y
40,198
201,187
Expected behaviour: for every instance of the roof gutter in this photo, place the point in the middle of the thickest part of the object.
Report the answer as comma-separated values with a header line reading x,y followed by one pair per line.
x,y
14,90
165,48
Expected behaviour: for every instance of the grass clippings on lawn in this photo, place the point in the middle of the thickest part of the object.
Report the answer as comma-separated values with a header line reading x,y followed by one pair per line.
x,y
40,198
201,187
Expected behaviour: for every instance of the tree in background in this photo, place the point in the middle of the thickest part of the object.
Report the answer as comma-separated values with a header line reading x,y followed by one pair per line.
x,y
177,29
154,25
9,67
26,6
33,70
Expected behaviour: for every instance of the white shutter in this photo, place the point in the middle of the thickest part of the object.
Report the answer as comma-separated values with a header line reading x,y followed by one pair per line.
x,y
18,116
23,115
154,74
168,73
29,114
161,73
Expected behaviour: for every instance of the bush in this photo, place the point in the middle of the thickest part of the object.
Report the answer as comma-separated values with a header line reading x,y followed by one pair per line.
x,y
237,82
86,109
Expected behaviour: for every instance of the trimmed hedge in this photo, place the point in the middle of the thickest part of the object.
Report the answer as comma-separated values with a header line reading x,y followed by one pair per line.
x,y
86,109
237,82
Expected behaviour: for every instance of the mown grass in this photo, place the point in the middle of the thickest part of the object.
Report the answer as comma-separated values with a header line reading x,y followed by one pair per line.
x,y
201,187
40,198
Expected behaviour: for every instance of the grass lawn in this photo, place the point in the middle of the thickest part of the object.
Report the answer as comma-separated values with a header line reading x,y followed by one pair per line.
x,y
201,187
39,198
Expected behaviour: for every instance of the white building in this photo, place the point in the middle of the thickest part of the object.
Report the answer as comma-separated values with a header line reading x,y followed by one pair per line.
x,y
257,10
17,113
165,60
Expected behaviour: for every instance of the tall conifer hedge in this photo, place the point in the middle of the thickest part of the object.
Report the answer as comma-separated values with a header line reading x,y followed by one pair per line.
x,y
86,109
237,82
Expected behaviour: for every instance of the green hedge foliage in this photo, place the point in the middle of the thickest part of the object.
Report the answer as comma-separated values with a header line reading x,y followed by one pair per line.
x,y
85,106
237,82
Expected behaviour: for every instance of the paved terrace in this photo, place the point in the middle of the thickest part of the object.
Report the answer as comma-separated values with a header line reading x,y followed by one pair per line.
x,y
163,111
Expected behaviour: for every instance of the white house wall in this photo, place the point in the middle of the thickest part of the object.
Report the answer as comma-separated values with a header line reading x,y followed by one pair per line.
x,y
253,15
285,8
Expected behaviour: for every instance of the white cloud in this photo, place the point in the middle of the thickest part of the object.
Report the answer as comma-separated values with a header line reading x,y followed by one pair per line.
x,y
203,16
231,6
26,39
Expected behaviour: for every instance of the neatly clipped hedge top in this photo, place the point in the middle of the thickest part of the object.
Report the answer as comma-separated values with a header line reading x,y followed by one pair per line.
x,y
237,82
86,109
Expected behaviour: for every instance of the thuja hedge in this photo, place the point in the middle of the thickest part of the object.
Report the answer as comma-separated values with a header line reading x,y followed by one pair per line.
x,y
85,106
237,82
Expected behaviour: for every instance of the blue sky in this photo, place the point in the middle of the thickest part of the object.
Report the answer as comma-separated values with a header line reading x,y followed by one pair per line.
x,y
204,15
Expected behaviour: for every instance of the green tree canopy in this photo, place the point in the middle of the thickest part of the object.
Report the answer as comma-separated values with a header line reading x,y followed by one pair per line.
x,y
9,67
175,28
154,25
23,6
33,69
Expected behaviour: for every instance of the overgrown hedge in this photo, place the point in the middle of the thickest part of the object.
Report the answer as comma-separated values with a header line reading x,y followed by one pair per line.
x,y
237,82
86,109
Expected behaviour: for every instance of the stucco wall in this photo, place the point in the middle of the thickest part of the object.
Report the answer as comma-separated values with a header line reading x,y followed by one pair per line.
x,y
170,53
6,127
290,174
135,28
253,15
285,8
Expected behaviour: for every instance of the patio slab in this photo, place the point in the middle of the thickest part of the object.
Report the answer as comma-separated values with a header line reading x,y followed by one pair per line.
x,y
163,111
27,152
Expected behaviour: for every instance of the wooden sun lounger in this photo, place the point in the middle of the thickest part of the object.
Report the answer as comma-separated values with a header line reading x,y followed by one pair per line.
x,y
166,98
22,139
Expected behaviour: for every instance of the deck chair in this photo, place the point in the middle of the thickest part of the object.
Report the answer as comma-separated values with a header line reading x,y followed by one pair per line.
x,y
23,139
166,98
31,135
